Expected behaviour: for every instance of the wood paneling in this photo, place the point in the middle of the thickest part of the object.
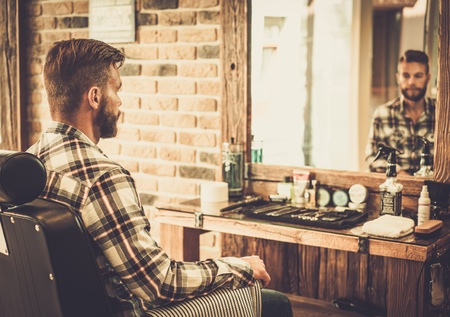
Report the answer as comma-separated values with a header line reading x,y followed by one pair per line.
x,y
442,133
234,71
9,76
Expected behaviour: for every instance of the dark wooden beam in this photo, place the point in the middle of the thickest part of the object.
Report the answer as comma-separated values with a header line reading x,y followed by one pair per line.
x,y
442,132
9,77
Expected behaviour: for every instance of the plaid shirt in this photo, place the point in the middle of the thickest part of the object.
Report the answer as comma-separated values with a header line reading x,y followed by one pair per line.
x,y
137,273
390,126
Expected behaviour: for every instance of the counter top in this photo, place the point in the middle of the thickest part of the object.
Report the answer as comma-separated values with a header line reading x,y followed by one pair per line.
x,y
410,247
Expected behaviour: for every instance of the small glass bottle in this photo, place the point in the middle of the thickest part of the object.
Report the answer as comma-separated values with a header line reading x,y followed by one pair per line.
x,y
391,190
233,168
257,150
426,162
423,210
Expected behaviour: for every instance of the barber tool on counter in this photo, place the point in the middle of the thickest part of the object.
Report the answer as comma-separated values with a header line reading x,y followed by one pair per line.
x,y
324,207
390,190
238,205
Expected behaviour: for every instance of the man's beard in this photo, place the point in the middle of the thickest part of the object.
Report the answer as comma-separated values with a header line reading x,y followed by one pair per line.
x,y
106,120
419,96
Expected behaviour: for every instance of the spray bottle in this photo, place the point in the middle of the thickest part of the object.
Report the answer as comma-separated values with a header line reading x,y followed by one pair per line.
x,y
426,160
390,190
423,211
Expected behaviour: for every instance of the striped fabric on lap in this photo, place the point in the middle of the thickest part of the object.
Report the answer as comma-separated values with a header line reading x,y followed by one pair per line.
x,y
242,302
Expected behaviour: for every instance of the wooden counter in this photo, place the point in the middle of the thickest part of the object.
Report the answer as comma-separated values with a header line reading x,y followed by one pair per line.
x,y
317,262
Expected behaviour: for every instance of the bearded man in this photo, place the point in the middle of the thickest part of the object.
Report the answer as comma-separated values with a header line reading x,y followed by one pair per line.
x,y
399,123
82,81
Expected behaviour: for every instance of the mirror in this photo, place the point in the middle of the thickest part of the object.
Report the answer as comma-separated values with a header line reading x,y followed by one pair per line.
x,y
319,69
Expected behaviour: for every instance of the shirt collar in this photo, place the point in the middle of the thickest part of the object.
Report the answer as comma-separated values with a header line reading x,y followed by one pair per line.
x,y
427,107
66,129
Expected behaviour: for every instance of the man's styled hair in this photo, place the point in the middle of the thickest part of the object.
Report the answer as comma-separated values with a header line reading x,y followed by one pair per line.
x,y
72,67
415,56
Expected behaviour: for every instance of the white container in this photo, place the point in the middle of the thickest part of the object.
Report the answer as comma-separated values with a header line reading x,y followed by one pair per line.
x,y
214,192
423,212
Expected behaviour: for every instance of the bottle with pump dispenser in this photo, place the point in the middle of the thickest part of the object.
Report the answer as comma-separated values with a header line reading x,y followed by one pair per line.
x,y
390,190
426,161
423,212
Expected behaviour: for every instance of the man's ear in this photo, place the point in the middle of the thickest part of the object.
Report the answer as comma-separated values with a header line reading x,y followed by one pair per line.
x,y
94,96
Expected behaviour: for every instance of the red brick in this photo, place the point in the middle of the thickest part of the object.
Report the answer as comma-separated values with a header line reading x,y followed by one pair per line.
x,y
160,103
57,8
36,39
138,149
141,52
176,18
147,35
209,122
129,102
198,104
178,120
211,88
33,9
35,82
197,3
159,70
158,169
198,70
178,52
198,139
177,154
183,87
145,183
39,112
128,133
55,36
42,23
197,35
78,34
80,7
138,85
159,136
178,186
208,17
141,117
131,165
197,172
210,158
35,67
110,146
36,99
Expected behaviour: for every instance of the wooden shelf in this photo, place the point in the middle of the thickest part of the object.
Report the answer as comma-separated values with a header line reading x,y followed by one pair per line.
x,y
409,247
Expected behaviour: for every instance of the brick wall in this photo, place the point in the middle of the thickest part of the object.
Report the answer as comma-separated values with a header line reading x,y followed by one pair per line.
x,y
169,134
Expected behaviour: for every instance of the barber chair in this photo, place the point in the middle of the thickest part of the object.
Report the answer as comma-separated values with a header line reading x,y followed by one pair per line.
x,y
47,267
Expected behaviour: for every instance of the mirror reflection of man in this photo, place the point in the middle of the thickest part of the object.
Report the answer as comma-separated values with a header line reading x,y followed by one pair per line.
x,y
399,122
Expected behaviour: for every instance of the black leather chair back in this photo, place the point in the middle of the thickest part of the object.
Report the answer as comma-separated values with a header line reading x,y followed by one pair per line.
x,y
47,268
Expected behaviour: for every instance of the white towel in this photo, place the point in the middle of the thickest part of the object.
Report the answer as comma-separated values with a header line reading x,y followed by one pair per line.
x,y
389,226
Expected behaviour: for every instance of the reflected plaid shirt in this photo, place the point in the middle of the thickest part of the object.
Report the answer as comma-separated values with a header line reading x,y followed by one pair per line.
x,y
137,273
390,126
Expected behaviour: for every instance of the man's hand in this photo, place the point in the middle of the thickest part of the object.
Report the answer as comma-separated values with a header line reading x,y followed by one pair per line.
x,y
259,269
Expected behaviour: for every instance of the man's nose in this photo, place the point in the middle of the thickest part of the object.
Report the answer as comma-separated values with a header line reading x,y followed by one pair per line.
x,y
412,81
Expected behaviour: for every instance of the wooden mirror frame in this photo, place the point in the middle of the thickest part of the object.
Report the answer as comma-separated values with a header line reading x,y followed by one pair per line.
x,y
9,81
236,99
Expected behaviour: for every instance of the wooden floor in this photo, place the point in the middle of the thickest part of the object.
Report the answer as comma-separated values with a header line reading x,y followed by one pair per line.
x,y
309,307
